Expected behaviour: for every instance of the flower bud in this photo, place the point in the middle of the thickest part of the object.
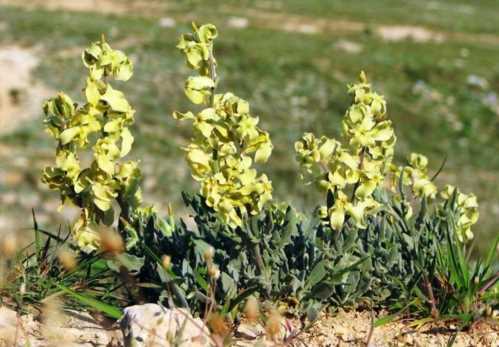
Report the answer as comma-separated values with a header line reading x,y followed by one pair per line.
x,y
166,261
213,272
208,254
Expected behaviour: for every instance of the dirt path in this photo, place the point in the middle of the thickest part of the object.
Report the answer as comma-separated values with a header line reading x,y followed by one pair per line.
x,y
270,20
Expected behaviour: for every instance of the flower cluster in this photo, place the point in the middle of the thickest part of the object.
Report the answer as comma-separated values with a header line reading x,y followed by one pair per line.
x,y
102,122
351,171
415,175
227,139
467,210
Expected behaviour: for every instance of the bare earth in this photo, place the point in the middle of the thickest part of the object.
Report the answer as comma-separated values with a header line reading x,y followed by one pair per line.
x,y
341,329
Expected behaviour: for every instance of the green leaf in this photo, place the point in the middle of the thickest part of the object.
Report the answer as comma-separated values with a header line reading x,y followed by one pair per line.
x,y
317,274
385,320
131,262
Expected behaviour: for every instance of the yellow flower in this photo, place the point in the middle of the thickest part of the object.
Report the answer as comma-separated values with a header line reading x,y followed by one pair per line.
x,y
359,163
107,114
227,139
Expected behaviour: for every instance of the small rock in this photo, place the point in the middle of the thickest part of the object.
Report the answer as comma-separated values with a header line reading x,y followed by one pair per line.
x,y
153,325
477,81
250,331
167,22
8,317
237,22
10,334
348,46
254,334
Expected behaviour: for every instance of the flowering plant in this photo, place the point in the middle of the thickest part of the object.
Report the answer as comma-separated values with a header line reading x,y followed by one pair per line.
x,y
349,172
227,139
102,123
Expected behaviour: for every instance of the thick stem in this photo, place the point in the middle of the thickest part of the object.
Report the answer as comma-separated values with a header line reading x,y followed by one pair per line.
x,y
213,75
361,163
260,264
434,311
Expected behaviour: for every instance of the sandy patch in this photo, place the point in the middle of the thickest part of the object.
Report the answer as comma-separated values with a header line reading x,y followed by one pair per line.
x,y
354,328
409,33
21,96
348,46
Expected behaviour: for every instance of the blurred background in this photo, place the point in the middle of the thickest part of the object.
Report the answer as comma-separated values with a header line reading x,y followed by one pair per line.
x,y
437,63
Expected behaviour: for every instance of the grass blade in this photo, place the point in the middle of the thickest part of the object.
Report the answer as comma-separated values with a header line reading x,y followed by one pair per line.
x,y
109,310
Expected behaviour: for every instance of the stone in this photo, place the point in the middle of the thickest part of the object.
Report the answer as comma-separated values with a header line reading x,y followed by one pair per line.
x,y
167,22
75,329
237,22
153,325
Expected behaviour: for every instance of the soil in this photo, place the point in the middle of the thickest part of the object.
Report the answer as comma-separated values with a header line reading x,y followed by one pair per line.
x,y
341,329
353,329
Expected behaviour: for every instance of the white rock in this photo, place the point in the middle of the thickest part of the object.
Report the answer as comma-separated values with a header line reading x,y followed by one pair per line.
x,y
238,22
78,329
10,332
348,46
167,22
7,318
153,325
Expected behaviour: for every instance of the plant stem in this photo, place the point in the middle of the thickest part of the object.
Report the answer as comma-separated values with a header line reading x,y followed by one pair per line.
x,y
489,283
433,303
213,76
361,162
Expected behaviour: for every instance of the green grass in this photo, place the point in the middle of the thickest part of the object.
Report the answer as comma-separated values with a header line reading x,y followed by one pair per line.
x,y
447,15
294,82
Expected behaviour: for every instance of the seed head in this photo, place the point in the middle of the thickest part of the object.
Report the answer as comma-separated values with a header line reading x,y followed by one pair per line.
x,y
273,325
111,241
251,309
8,246
67,259
218,324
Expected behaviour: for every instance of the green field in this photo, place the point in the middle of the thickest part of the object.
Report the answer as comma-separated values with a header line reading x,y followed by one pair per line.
x,y
295,80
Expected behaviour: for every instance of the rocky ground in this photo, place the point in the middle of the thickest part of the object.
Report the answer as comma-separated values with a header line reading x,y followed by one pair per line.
x,y
341,329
